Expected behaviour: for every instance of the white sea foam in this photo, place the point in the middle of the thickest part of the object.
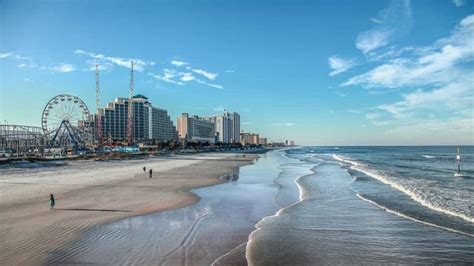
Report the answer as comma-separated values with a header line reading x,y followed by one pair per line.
x,y
411,218
386,180
428,156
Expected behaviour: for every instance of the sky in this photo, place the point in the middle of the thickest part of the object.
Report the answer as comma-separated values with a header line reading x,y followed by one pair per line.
x,y
337,72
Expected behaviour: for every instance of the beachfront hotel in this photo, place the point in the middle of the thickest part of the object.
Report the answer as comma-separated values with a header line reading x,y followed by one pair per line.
x,y
150,123
235,133
195,129
227,127
249,138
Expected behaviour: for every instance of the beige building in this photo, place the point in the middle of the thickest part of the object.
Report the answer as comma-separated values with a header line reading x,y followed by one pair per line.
x,y
195,129
249,138
262,141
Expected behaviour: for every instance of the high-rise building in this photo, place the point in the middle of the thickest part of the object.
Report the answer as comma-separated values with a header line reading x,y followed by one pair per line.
x,y
150,123
195,129
227,127
235,135
262,141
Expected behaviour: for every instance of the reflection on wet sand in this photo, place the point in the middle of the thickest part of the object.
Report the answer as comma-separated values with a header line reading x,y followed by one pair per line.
x,y
201,233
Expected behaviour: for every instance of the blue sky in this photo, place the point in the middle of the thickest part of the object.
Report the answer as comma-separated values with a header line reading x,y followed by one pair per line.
x,y
321,73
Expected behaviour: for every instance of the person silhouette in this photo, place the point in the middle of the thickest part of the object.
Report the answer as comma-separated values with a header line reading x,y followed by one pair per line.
x,y
151,173
52,202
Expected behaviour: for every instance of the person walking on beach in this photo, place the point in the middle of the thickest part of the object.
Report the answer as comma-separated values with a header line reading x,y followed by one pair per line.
x,y
144,169
151,173
52,202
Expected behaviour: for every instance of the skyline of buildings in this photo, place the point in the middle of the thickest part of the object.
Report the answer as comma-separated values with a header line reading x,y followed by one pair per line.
x,y
154,124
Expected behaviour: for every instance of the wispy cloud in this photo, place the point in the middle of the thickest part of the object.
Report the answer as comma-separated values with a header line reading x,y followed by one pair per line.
x,y
178,63
208,75
390,24
373,39
63,68
167,76
458,3
186,76
5,55
454,96
204,73
339,64
283,124
139,64
247,123
182,76
25,61
429,65
436,86
28,62
217,86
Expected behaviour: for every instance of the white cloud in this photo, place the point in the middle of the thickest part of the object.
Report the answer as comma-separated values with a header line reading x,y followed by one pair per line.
x,y
229,71
167,77
339,64
247,123
186,76
458,3
138,64
454,96
25,61
430,65
5,55
217,86
208,75
436,83
283,124
63,68
174,76
371,40
179,63
390,24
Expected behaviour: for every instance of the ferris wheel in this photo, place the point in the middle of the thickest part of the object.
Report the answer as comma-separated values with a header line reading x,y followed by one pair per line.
x,y
65,120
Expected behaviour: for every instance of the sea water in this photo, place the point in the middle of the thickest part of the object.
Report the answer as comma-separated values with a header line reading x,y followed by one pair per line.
x,y
373,205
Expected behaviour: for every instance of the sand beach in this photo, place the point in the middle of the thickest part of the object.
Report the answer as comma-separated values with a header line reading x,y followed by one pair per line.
x,y
91,192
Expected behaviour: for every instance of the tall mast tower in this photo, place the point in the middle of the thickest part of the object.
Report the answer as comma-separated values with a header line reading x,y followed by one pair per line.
x,y
97,106
130,109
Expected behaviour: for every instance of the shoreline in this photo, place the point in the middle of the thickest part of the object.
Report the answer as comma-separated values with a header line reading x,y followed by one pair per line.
x,y
30,232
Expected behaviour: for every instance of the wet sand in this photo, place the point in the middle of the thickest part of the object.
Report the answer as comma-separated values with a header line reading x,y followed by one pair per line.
x,y
91,193
214,228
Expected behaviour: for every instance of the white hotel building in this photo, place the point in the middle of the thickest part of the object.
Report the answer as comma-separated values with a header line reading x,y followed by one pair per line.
x,y
227,127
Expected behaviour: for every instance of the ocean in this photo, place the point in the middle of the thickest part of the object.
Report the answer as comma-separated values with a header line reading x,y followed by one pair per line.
x,y
308,205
